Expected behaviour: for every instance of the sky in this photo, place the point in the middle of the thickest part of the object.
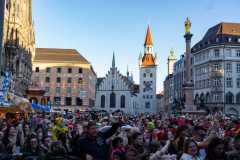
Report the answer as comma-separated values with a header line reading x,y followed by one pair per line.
x,y
97,28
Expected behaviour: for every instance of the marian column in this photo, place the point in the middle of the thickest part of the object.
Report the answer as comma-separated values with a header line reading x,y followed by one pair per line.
x,y
188,83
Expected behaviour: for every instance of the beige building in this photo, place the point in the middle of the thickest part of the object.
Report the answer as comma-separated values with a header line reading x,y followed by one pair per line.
x,y
68,78
19,43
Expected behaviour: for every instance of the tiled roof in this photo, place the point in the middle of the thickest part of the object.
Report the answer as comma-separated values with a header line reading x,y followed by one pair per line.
x,y
59,55
218,34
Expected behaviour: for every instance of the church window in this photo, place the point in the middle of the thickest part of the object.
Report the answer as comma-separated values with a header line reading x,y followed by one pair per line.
x,y
102,101
122,101
112,100
151,74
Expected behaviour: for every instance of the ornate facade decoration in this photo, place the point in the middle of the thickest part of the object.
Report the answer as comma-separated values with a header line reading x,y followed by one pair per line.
x,y
19,43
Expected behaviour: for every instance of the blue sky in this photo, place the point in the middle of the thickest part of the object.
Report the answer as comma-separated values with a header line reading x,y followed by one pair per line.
x,y
96,28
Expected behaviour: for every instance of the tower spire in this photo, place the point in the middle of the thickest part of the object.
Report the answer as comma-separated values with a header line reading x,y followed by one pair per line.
x,y
113,60
127,72
148,40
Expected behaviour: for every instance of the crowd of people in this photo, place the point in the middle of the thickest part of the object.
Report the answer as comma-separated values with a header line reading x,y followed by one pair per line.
x,y
117,136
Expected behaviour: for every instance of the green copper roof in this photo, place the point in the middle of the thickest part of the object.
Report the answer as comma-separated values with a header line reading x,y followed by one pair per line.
x,y
172,56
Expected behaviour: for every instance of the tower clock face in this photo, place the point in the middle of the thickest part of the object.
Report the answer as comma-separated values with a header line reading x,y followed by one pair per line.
x,y
147,86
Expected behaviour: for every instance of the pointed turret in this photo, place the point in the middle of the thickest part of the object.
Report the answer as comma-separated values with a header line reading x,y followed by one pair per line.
x,y
148,59
113,60
148,40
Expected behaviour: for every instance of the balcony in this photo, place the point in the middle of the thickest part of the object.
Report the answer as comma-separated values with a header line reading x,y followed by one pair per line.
x,y
218,73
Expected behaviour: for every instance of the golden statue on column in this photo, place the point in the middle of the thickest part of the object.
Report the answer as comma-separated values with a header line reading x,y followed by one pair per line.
x,y
187,25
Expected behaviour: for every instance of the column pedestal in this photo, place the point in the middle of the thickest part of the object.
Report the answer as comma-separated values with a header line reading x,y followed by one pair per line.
x,y
189,100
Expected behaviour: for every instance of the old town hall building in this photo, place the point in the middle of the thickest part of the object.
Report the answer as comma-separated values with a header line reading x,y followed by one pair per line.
x,y
118,92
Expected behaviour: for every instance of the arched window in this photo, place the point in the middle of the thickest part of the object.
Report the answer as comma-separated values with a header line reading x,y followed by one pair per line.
x,y
238,98
122,101
202,98
102,101
208,98
112,100
229,98
196,99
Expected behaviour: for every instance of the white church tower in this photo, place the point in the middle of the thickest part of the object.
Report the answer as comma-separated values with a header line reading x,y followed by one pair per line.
x,y
148,71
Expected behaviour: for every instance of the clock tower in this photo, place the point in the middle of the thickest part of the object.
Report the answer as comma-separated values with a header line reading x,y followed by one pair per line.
x,y
148,70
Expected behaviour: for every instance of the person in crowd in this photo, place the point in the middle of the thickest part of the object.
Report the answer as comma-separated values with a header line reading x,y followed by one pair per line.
x,y
136,148
94,142
118,150
32,149
216,150
191,151
235,153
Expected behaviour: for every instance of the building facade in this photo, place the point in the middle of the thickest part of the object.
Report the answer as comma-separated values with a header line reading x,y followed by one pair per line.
x,y
19,43
168,83
148,76
160,103
115,91
178,78
217,69
67,77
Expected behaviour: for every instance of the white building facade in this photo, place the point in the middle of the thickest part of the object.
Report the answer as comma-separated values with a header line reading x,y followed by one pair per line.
x,y
114,91
217,69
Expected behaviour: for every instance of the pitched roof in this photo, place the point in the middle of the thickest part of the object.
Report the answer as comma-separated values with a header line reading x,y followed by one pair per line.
x,y
221,31
148,60
59,55
148,40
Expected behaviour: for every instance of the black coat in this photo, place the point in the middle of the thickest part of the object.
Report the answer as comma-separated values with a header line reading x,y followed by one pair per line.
x,y
97,148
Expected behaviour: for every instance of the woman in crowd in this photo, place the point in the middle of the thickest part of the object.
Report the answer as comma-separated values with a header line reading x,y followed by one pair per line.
x,y
191,151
